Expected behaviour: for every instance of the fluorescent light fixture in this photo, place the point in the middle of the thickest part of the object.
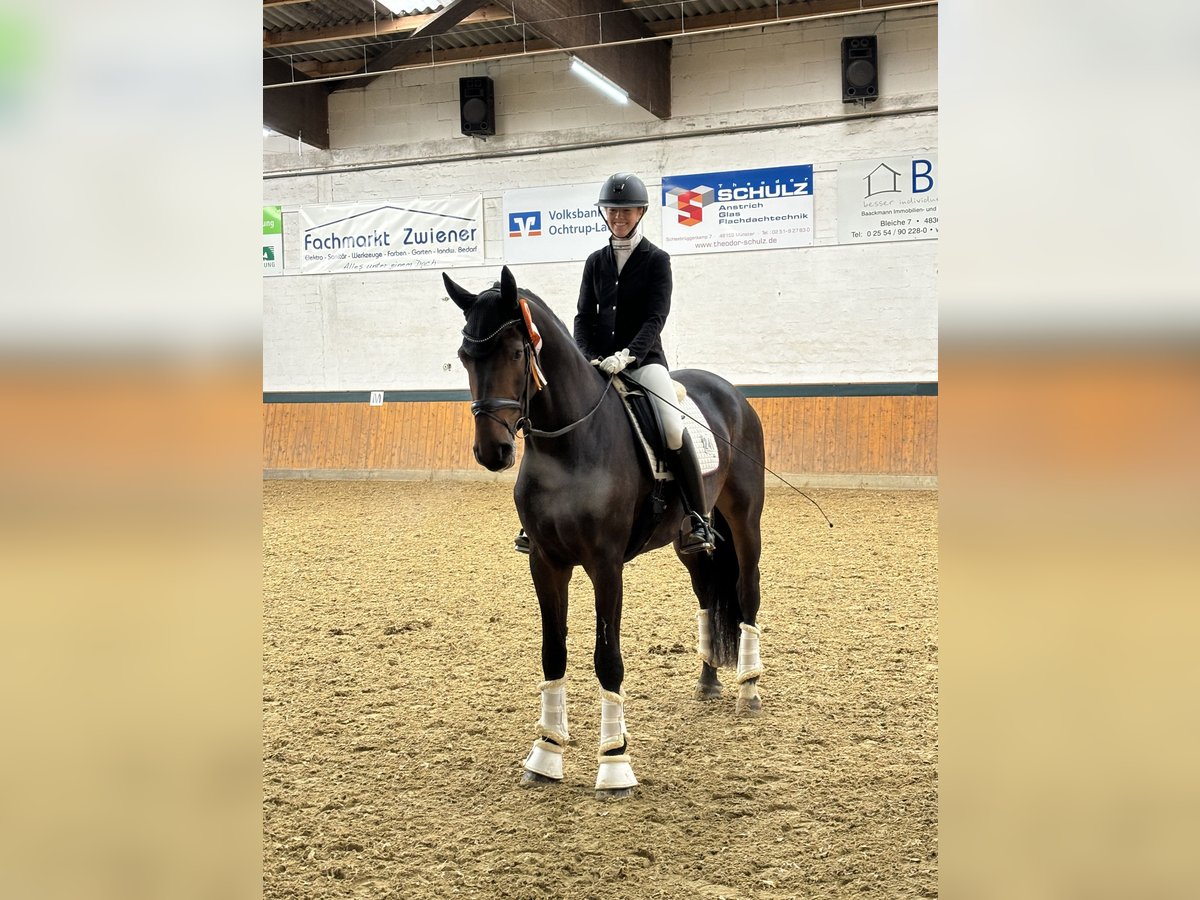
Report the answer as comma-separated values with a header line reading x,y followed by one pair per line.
x,y
406,9
596,80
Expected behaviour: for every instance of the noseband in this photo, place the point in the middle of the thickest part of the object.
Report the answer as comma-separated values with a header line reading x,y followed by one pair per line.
x,y
489,406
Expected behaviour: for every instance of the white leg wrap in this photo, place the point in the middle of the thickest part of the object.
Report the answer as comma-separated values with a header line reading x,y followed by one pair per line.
x,y
612,721
553,723
749,665
545,759
614,771
704,643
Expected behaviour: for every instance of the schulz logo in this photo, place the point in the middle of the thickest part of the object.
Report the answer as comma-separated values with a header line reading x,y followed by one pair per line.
x,y
690,203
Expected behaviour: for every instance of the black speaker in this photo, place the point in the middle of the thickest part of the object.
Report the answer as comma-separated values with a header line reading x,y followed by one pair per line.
x,y
477,105
860,69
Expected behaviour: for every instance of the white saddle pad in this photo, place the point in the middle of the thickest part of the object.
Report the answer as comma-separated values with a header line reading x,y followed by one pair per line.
x,y
694,423
702,438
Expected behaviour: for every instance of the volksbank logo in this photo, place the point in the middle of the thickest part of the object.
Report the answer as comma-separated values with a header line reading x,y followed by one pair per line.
x,y
525,224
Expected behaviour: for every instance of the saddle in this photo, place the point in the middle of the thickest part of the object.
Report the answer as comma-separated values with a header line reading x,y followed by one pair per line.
x,y
646,424
648,430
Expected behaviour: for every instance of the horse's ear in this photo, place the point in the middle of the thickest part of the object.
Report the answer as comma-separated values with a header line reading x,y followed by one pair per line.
x,y
508,287
461,296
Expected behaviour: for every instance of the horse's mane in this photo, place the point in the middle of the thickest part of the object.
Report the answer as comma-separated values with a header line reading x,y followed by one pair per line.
x,y
486,315
551,319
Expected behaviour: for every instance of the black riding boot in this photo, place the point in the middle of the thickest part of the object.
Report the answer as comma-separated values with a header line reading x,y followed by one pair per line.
x,y
696,534
521,542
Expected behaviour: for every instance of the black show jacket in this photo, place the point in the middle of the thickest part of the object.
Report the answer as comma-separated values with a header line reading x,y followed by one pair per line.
x,y
629,311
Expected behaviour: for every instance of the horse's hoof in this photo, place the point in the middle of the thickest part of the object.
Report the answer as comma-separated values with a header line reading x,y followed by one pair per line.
x,y
749,707
708,691
614,793
533,779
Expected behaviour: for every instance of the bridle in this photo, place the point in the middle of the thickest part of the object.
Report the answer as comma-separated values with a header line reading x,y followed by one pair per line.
x,y
489,406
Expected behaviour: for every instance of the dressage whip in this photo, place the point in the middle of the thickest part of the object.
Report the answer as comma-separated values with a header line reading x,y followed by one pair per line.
x,y
731,444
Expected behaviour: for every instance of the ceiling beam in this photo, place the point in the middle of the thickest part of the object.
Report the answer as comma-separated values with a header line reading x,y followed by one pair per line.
x,y
300,111
365,30
399,55
451,55
769,15
643,70
448,16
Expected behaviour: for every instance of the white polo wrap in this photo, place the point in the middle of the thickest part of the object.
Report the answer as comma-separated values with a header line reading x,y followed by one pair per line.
x,y
704,642
615,771
749,665
553,723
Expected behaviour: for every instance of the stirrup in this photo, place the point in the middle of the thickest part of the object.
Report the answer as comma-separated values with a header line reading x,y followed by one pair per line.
x,y
700,538
521,542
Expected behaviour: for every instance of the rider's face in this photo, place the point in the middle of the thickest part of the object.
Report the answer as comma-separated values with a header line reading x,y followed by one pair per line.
x,y
622,221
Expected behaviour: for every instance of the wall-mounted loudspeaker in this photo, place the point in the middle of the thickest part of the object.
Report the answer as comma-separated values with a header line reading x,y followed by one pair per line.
x,y
477,106
860,69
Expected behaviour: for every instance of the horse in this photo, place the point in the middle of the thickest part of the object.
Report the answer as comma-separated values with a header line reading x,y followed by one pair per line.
x,y
582,495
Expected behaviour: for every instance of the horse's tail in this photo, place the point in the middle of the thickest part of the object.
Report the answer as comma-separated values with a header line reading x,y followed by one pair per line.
x,y
725,612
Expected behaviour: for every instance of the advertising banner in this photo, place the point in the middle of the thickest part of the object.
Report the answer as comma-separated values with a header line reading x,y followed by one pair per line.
x,y
416,233
748,209
893,199
272,246
553,224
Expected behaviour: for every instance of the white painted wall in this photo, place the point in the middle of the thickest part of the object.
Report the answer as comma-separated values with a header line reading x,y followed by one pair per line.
x,y
827,313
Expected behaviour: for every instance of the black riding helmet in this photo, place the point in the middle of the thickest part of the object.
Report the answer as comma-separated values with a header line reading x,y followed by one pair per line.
x,y
623,191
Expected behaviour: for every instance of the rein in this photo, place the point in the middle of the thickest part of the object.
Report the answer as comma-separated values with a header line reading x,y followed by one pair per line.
x,y
489,406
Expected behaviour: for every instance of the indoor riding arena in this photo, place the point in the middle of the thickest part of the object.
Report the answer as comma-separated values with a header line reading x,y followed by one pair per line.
x,y
790,155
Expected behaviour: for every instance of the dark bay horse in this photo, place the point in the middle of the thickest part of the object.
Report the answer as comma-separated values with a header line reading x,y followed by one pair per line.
x,y
581,495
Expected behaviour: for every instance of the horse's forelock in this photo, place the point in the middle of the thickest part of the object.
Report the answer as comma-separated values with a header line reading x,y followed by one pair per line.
x,y
485,318
489,313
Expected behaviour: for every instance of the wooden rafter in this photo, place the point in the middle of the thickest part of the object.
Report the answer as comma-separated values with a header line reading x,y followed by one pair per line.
x,y
366,30
455,54
448,16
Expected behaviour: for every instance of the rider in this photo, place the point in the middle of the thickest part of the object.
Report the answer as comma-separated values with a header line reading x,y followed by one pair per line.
x,y
618,326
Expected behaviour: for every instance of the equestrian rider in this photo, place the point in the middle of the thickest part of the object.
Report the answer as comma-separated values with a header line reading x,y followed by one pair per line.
x,y
624,300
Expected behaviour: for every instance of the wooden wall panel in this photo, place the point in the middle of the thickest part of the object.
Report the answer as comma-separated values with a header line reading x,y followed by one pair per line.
x,y
808,435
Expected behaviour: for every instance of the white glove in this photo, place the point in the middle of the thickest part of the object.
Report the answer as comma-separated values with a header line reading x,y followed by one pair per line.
x,y
615,363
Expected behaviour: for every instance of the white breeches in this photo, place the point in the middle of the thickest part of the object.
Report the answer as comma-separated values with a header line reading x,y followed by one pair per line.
x,y
656,378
